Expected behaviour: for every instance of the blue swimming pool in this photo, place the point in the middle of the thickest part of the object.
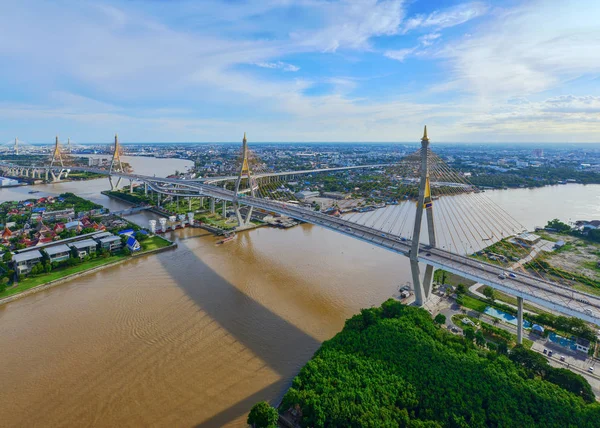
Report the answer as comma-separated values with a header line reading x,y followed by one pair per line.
x,y
567,343
511,319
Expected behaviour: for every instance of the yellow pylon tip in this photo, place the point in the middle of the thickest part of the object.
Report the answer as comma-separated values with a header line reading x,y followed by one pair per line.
x,y
425,138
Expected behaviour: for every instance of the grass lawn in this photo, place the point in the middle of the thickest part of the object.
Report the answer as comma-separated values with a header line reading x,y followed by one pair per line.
x,y
473,303
154,243
506,298
31,282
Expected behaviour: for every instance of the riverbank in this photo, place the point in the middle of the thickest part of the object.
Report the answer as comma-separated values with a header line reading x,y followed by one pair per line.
x,y
40,283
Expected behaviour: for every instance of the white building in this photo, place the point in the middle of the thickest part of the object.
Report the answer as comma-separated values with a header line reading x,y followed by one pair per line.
x,y
7,182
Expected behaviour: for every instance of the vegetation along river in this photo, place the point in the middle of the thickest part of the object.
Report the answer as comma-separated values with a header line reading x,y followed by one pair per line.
x,y
197,335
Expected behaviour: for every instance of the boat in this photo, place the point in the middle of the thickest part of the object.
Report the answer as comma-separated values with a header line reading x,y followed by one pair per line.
x,y
226,239
34,191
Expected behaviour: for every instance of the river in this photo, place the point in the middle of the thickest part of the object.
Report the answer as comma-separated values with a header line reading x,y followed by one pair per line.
x,y
197,335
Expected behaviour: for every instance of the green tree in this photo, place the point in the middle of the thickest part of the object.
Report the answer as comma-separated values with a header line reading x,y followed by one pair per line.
x,y
489,292
469,333
573,382
479,339
262,415
440,319
7,257
461,289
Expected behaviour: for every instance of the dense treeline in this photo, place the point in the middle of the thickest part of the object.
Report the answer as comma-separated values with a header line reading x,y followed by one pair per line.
x,y
392,366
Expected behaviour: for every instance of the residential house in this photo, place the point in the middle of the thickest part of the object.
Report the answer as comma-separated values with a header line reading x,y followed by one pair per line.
x,y
583,345
85,247
23,262
111,243
58,253
133,244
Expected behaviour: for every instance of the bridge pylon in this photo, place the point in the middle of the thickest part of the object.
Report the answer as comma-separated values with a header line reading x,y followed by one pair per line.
x,y
424,202
115,164
57,157
245,172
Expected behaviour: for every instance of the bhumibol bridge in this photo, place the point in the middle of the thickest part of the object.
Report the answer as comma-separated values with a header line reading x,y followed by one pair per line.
x,y
465,223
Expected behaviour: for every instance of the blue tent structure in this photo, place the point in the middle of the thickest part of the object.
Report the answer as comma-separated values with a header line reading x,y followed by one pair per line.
x,y
133,244
537,329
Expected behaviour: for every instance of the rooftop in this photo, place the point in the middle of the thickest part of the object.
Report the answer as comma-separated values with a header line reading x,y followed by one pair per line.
x,y
57,249
86,243
29,255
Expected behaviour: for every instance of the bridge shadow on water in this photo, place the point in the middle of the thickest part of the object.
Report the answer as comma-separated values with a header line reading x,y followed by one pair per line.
x,y
282,346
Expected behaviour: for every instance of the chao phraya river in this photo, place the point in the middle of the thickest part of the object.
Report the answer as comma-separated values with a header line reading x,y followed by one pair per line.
x,y
196,336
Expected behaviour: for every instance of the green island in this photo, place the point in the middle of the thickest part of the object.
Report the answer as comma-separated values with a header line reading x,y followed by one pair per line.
x,y
393,366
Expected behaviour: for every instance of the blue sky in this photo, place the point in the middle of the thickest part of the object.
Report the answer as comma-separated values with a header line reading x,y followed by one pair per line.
x,y
300,70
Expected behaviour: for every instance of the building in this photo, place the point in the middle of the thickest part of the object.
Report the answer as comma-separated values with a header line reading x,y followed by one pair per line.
x,y
73,225
8,182
583,345
23,262
101,235
306,194
559,244
58,253
336,195
527,239
133,244
85,247
59,214
111,243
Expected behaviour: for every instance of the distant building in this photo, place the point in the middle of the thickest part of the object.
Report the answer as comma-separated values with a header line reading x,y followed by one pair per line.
x,y
60,214
7,182
25,261
538,153
306,194
335,195
527,239
58,253
559,244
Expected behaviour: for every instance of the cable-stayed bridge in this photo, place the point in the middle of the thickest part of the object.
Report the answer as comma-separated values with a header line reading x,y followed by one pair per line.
x,y
465,223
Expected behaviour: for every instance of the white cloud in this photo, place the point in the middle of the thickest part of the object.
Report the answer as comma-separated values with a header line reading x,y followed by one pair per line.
x,y
400,54
428,39
529,49
446,18
351,23
279,65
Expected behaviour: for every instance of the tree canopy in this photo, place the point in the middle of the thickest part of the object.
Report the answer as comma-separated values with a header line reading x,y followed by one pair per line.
x,y
393,366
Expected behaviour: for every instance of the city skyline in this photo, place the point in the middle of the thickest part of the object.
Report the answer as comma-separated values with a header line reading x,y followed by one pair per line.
x,y
300,71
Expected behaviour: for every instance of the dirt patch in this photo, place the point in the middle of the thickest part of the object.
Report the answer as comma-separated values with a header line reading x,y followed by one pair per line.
x,y
577,256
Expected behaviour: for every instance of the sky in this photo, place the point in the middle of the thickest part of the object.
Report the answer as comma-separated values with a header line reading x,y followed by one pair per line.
x,y
300,70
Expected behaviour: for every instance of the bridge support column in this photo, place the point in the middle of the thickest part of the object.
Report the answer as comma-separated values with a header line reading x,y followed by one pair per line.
x,y
46,175
130,186
519,320
422,288
145,189
158,199
201,202
212,205
189,203
224,209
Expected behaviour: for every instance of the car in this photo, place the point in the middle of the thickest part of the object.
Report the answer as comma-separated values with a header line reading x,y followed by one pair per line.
x,y
502,276
591,370
428,254
512,275
454,330
383,235
562,357
403,239
588,311
550,353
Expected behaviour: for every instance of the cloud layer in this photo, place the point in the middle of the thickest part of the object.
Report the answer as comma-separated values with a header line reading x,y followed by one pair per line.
x,y
307,70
